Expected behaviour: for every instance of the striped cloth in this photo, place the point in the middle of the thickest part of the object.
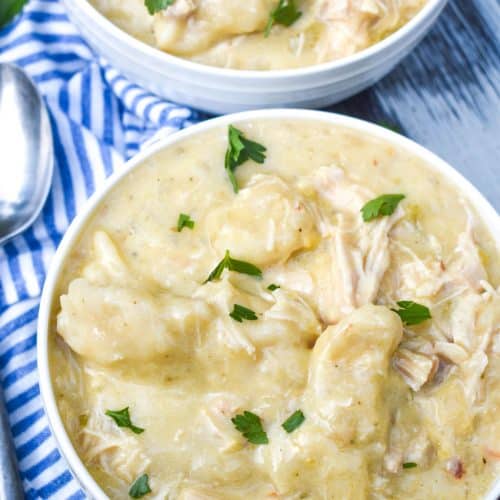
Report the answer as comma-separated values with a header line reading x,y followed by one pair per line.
x,y
98,120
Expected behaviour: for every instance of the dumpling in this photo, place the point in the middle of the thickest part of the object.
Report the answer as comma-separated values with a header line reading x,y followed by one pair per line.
x,y
265,224
190,26
301,466
349,368
111,323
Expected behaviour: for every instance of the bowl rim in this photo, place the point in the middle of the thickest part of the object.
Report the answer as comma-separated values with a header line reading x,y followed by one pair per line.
x,y
485,211
426,13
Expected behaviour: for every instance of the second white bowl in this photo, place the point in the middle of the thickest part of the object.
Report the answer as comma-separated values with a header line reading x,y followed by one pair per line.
x,y
219,90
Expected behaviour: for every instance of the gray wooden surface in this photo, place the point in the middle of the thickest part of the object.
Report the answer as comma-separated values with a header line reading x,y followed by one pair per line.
x,y
446,94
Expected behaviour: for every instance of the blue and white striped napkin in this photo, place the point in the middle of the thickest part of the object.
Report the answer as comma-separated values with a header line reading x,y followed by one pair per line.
x,y
99,119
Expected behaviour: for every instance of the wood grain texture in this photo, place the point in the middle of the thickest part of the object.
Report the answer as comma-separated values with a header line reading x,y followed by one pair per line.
x,y
446,94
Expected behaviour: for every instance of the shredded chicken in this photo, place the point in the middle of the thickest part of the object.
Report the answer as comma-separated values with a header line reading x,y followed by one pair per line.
x,y
114,450
465,265
215,421
351,23
358,251
405,446
416,369
414,276
284,316
451,352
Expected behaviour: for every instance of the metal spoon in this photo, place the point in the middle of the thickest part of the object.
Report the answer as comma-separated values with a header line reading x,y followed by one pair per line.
x,y
26,152
26,165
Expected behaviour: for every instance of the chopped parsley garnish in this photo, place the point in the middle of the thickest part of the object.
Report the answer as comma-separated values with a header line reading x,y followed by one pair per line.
x,y
9,9
238,266
412,313
295,420
250,426
155,6
122,419
273,287
184,221
383,205
390,126
140,487
239,313
409,465
239,151
285,13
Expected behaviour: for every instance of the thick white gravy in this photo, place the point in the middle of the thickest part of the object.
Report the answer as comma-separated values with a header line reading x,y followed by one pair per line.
x,y
137,326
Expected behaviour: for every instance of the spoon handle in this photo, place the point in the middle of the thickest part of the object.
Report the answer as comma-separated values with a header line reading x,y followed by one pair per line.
x,y
10,482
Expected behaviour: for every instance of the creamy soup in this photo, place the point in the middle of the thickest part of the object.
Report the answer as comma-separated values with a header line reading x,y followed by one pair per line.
x,y
260,34
292,310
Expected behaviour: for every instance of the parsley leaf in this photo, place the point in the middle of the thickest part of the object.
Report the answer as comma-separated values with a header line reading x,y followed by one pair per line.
x,y
412,313
9,9
295,420
122,419
383,205
155,6
285,13
273,287
238,266
239,151
239,313
184,221
409,465
140,487
390,126
250,426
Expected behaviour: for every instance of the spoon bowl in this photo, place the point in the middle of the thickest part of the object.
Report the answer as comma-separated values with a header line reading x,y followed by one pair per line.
x,y
26,152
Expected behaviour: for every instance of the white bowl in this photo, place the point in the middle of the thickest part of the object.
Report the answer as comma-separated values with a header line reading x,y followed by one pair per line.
x,y
219,90
484,210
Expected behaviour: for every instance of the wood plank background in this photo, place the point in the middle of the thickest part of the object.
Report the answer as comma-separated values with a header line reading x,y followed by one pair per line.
x,y
446,94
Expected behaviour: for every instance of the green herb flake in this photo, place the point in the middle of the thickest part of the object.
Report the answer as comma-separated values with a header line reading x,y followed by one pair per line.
x,y
390,126
409,465
9,9
250,426
382,206
239,151
140,487
238,266
285,13
239,313
184,221
295,420
155,6
273,287
412,313
122,419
